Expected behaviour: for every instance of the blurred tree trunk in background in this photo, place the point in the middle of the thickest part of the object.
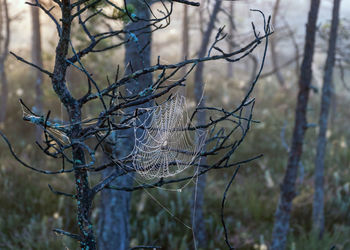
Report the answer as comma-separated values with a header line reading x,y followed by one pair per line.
x,y
230,38
37,60
333,111
282,216
274,54
185,36
4,50
327,89
115,205
197,212
201,20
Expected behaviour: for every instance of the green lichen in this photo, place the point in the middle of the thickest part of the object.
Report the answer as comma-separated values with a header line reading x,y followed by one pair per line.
x,y
77,162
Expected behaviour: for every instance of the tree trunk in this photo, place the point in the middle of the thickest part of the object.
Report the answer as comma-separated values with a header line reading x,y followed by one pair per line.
x,y
37,60
83,194
4,93
197,212
201,21
185,36
4,50
318,204
274,55
230,37
282,216
113,224
115,205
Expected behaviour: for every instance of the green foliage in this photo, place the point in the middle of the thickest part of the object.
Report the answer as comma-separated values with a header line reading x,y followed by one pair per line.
x,y
162,227
337,238
32,211
93,5
122,13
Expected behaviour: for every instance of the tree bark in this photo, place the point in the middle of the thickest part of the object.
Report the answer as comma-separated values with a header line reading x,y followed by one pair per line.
x,y
4,50
185,35
197,211
282,216
37,60
115,205
327,89
230,37
83,194
4,93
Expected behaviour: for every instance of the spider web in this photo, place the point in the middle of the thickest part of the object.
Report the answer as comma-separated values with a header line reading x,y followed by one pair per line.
x,y
164,146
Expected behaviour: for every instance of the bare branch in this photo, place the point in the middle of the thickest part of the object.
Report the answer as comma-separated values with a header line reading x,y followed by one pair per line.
x,y
31,64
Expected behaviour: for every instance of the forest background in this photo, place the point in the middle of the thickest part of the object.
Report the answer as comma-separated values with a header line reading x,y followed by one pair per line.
x,y
29,210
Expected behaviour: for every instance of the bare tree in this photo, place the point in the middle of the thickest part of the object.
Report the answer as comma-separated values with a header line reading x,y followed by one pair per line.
x,y
84,137
37,60
232,29
4,50
282,216
327,90
185,34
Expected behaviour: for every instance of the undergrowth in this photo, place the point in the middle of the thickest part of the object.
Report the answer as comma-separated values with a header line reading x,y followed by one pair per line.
x,y
29,211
